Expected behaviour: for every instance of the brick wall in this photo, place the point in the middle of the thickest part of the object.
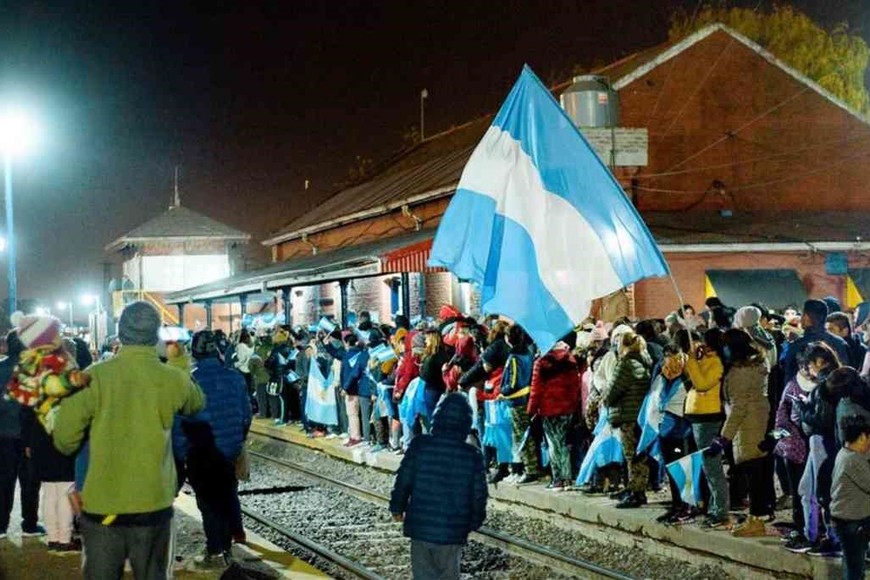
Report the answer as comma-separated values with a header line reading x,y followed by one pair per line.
x,y
656,298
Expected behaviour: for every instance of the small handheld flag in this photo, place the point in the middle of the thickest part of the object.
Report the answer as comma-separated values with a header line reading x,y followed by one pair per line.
x,y
686,473
539,222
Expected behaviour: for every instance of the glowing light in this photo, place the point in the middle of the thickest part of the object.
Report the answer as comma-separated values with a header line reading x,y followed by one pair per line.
x,y
18,132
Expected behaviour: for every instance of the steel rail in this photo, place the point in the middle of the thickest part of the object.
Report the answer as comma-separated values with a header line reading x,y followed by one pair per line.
x,y
314,547
513,544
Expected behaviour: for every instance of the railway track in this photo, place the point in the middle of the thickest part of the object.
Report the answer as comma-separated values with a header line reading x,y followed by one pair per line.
x,y
387,536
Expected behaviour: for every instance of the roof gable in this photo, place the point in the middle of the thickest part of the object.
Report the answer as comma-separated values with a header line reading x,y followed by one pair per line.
x,y
179,223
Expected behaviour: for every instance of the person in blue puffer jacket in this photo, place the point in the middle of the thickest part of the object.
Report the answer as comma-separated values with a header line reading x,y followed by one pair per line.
x,y
210,442
355,384
515,387
440,491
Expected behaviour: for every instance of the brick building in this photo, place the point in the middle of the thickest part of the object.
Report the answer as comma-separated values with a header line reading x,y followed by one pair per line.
x,y
750,176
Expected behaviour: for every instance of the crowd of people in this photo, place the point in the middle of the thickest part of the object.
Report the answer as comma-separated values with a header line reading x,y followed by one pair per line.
x,y
777,405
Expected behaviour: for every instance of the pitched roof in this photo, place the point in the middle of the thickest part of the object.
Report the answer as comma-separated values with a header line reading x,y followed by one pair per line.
x,y
432,168
425,171
179,223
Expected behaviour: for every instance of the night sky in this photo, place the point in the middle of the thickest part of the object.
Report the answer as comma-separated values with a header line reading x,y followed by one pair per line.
x,y
251,100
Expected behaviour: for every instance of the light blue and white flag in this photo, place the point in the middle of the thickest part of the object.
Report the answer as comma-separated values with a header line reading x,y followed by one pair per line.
x,y
320,403
382,353
539,222
650,417
606,448
498,429
686,473
413,402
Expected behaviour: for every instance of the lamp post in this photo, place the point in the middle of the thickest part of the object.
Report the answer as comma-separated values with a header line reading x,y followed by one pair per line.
x,y
16,134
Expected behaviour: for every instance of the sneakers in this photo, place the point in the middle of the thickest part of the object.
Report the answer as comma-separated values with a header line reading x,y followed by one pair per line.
x,y
378,447
714,523
558,485
791,536
799,545
240,538
525,479
826,549
619,495
667,517
3,535
34,532
499,475
753,527
52,546
331,436
352,442
212,561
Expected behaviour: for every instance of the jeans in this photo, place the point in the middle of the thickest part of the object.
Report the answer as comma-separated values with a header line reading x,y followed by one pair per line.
x,y
341,404
303,398
435,561
704,433
262,402
15,465
853,536
794,471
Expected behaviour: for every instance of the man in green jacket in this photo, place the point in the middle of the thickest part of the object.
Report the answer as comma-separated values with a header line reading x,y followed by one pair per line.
x,y
126,414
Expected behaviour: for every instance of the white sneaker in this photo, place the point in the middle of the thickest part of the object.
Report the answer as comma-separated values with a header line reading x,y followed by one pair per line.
x,y
344,441
3,535
331,436
344,435
512,478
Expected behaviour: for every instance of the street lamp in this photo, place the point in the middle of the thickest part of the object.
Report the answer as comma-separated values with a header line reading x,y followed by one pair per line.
x,y
17,133
65,306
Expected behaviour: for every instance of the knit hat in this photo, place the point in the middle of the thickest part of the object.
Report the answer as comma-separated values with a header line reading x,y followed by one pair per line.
x,y
139,324
619,331
862,314
204,345
747,317
36,331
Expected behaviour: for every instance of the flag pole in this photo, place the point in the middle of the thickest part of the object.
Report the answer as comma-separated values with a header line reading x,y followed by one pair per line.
x,y
678,293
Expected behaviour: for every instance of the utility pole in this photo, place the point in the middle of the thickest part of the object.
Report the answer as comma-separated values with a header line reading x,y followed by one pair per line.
x,y
424,94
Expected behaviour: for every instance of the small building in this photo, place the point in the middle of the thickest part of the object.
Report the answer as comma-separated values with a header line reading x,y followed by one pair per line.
x,y
746,171
177,249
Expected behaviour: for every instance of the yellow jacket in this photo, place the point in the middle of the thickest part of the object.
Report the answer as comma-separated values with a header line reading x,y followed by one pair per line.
x,y
705,373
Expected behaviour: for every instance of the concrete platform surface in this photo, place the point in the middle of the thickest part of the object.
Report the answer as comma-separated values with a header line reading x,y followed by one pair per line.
x,y
766,556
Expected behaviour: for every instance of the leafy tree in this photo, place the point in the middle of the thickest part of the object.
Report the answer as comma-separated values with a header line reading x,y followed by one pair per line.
x,y
836,59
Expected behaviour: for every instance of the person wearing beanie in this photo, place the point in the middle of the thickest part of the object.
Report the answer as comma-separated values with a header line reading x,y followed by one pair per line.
x,y
813,322
839,324
440,491
209,443
131,479
833,304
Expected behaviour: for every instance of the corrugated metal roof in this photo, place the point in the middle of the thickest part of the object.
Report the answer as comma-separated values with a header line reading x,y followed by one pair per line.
x,y
432,165
337,264
177,223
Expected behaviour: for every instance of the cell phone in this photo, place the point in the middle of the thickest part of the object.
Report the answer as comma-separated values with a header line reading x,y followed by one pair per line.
x,y
779,433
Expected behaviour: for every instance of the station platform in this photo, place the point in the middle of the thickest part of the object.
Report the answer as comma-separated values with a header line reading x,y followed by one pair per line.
x,y
29,558
597,516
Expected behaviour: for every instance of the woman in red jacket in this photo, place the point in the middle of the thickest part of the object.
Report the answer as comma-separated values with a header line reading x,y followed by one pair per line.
x,y
555,396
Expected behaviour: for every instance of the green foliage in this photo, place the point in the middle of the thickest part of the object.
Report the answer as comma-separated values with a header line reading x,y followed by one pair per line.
x,y
836,59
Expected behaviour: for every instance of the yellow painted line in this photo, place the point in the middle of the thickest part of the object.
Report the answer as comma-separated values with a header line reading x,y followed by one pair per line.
x,y
285,564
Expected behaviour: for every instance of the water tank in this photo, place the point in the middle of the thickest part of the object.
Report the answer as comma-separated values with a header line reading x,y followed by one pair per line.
x,y
591,102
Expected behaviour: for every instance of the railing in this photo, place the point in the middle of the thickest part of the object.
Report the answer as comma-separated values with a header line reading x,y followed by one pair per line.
x,y
123,297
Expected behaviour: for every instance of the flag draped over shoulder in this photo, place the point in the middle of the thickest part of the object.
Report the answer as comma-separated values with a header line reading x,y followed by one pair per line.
x,y
606,448
686,473
539,222
320,403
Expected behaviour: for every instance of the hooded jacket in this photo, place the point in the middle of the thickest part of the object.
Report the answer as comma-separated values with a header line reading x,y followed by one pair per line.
x,y
703,401
555,385
629,386
792,447
745,389
441,483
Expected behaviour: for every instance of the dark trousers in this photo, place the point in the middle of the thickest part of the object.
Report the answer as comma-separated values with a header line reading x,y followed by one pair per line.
x,y
14,465
217,498
262,402
291,402
755,471
106,548
853,535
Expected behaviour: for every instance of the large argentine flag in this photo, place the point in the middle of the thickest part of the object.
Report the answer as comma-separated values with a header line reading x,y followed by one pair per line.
x,y
686,473
539,222
320,403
